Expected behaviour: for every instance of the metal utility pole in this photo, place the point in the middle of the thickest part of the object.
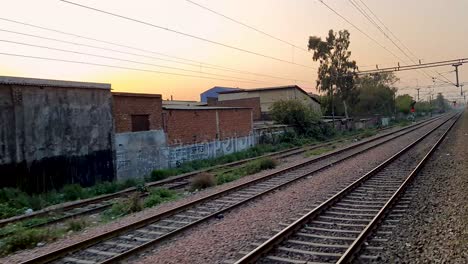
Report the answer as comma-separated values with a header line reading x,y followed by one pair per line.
x,y
418,92
461,89
456,72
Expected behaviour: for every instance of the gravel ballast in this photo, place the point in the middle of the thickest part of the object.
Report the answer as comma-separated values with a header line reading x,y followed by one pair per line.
x,y
435,227
220,240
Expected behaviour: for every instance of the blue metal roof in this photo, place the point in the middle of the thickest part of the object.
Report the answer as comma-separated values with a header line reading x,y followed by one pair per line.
x,y
213,92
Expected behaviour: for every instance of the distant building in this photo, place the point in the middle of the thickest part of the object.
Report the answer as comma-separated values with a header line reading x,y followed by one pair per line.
x,y
269,95
54,133
213,92
182,103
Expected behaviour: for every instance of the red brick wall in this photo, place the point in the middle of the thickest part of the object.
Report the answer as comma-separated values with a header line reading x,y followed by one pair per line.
x,y
125,105
194,126
253,103
235,122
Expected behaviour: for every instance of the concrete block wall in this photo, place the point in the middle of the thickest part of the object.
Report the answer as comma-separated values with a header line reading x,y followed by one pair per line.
x,y
54,133
139,153
207,150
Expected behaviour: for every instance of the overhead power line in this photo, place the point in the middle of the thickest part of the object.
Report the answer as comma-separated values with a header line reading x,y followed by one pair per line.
x,y
361,10
194,64
185,34
357,28
131,61
114,66
416,66
245,25
383,24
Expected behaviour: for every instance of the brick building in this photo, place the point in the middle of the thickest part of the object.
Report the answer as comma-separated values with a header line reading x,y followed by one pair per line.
x,y
137,112
253,103
190,125
55,132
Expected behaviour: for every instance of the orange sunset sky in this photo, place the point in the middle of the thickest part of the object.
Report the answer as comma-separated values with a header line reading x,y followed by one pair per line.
x,y
432,30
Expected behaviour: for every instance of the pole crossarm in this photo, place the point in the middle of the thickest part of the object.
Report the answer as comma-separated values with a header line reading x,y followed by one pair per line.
x,y
416,66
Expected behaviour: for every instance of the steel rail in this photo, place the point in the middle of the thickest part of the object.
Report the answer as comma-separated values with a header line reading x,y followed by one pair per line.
x,y
291,229
58,209
356,245
144,222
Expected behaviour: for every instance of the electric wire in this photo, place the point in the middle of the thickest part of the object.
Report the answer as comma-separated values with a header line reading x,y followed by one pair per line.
x,y
185,34
198,63
373,22
114,66
132,61
245,25
356,27
394,36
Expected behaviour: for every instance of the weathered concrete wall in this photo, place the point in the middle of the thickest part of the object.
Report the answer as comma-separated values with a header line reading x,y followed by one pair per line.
x,y
180,154
54,132
138,153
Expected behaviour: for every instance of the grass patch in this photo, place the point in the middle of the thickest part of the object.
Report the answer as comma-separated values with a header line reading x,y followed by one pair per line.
x,y
24,238
76,224
131,205
160,195
251,167
367,133
318,151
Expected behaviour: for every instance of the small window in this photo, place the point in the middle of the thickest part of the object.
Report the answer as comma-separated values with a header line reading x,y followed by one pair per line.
x,y
140,123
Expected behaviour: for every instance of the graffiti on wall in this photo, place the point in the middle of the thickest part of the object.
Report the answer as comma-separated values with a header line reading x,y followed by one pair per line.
x,y
206,150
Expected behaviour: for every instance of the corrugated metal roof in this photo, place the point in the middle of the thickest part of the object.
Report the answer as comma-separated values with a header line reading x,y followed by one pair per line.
x,y
51,83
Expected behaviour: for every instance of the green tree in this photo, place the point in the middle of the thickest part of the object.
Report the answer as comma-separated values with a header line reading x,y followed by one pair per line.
x,y
294,113
403,103
337,71
376,94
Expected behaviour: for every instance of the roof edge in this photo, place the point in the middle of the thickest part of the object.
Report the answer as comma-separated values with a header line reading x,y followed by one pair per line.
x,y
52,83
136,94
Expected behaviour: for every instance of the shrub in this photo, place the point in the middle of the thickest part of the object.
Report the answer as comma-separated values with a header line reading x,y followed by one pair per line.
x,y
104,188
153,200
268,163
22,239
14,198
7,211
164,193
76,224
202,181
121,208
73,192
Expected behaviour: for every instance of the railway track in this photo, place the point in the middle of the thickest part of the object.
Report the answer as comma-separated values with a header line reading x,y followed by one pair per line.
x,y
335,231
123,242
58,214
